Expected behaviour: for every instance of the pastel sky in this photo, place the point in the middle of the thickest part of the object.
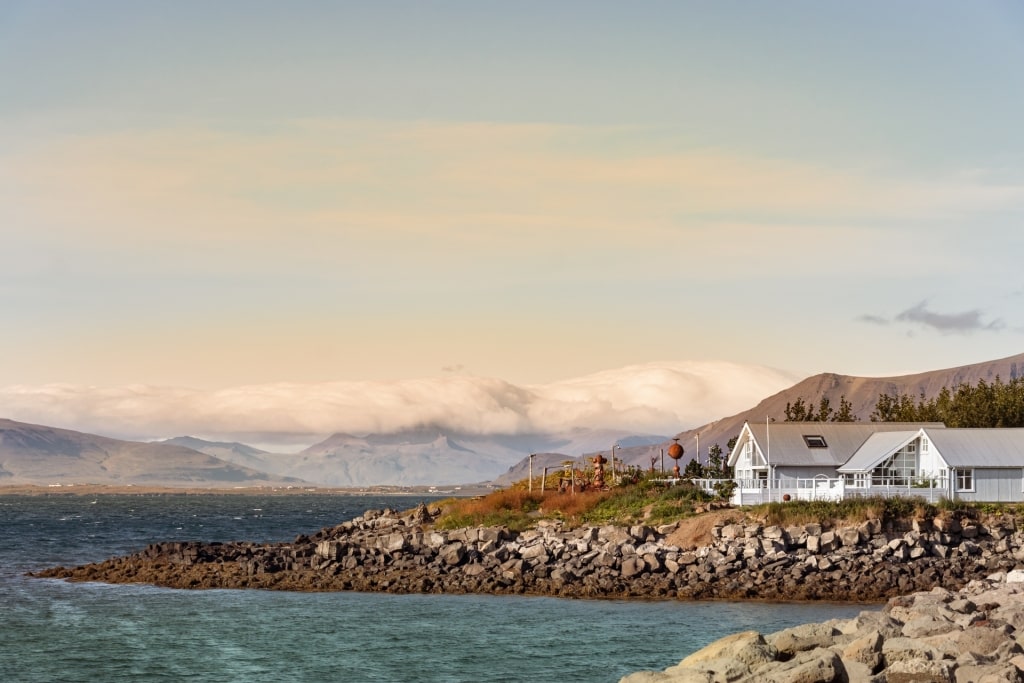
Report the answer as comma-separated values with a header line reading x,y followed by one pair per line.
x,y
304,207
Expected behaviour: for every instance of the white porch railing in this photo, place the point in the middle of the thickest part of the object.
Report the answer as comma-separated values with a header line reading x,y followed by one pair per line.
x,y
756,491
753,492
931,490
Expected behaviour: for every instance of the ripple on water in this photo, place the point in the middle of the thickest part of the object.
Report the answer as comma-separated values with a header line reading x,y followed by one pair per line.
x,y
52,630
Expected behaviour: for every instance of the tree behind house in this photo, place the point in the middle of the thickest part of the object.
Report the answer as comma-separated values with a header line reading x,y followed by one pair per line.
x,y
801,411
985,404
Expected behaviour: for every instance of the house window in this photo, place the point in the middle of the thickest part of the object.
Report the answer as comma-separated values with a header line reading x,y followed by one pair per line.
x,y
899,470
857,480
924,445
762,479
815,441
965,480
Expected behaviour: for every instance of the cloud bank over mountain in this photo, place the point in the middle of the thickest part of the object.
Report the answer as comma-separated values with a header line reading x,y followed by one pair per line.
x,y
663,397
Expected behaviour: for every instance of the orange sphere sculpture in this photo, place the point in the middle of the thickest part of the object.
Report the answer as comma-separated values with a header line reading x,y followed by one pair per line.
x,y
675,451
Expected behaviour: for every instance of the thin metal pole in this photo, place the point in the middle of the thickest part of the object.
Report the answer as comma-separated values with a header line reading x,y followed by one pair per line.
x,y
531,471
768,455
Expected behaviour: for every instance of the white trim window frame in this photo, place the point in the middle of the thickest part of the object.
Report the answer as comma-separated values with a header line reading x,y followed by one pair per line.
x,y
965,479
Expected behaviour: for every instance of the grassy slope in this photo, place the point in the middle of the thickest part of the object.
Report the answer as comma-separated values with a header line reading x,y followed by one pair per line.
x,y
646,502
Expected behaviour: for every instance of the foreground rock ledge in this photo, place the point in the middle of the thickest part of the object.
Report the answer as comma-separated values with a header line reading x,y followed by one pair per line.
x,y
974,635
384,550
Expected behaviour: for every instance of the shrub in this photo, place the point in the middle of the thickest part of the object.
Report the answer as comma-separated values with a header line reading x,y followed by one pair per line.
x,y
725,488
847,511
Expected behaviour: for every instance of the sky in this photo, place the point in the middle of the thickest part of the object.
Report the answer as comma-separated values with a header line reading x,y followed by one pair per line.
x,y
305,217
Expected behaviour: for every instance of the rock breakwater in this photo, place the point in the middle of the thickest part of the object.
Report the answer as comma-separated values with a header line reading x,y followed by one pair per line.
x,y
384,550
974,635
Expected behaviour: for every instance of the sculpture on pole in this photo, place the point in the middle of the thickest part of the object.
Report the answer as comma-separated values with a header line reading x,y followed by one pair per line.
x,y
675,451
599,461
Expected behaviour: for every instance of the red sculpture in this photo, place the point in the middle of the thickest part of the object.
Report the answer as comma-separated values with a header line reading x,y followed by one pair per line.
x,y
675,451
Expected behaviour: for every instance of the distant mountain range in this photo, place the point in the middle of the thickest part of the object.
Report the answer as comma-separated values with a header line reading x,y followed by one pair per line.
x,y
232,452
37,454
425,456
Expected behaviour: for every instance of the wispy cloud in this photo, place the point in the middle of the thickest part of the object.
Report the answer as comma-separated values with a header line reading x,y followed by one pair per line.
x,y
656,398
475,186
964,321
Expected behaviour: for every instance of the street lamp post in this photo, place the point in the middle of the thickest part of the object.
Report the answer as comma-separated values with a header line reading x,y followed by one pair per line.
x,y
768,455
615,479
531,471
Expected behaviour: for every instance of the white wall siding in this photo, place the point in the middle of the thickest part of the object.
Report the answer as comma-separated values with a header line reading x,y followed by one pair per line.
x,y
995,485
792,473
748,456
930,462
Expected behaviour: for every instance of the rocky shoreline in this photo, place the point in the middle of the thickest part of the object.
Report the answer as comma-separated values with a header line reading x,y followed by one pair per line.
x,y
974,635
384,550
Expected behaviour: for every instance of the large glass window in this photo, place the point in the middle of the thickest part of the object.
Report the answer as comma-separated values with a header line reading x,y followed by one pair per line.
x,y
899,470
965,480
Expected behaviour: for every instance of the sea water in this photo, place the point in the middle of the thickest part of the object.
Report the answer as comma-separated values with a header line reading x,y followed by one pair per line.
x,y
52,630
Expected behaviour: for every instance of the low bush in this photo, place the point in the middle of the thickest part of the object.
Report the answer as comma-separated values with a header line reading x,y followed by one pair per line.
x,y
847,511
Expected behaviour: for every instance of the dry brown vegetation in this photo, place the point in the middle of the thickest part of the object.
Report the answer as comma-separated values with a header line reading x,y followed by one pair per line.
x,y
518,508
650,503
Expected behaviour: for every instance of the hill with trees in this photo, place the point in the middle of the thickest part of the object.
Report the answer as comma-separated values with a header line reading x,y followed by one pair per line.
x,y
986,394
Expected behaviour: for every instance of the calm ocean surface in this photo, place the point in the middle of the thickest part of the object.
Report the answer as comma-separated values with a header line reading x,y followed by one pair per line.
x,y
56,631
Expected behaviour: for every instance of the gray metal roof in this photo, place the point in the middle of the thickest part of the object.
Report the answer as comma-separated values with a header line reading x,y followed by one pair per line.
x,y
1003,447
788,447
877,448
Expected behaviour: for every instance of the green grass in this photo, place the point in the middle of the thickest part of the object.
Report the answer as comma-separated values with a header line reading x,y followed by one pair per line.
x,y
647,502
850,510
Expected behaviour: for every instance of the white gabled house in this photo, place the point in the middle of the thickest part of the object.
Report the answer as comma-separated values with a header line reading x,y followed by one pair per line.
x,y
966,464
802,459
833,460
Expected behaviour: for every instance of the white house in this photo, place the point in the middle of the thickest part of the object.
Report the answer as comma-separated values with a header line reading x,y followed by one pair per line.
x,y
966,464
833,460
800,459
